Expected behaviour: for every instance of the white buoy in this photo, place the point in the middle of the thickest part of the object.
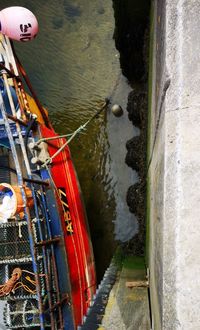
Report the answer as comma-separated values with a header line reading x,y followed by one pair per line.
x,y
117,110
6,207
18,23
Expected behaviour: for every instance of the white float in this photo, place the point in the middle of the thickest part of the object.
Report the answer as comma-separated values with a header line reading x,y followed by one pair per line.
x,y
18,23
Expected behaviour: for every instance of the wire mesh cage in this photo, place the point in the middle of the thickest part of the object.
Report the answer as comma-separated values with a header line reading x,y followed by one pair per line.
x,y
25,285
14,242
19,314
21,309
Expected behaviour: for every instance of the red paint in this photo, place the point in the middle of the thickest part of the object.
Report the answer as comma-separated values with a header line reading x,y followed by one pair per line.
x,y
78,245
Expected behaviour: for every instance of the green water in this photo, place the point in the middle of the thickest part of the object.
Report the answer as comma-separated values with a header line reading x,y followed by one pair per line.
x,y
73,66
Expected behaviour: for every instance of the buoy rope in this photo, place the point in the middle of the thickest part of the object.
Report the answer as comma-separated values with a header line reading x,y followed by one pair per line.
x,y
72,135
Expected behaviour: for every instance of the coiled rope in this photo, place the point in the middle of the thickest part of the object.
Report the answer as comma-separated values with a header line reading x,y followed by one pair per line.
x,y
13,282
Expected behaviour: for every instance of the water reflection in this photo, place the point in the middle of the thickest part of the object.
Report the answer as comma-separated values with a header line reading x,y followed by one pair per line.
x,y
73,65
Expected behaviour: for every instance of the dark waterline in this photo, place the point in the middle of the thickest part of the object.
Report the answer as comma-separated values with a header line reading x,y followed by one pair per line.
x,y
73,65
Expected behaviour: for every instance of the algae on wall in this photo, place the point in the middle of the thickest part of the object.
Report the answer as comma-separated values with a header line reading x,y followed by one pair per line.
x,y
131,20
131,39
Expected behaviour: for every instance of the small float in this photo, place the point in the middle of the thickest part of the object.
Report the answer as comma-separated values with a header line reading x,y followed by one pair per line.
x,y
47,270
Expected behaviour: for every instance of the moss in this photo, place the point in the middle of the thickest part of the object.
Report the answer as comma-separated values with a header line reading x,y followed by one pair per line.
x,y
134,262
118,257
128,261
131,18
132,39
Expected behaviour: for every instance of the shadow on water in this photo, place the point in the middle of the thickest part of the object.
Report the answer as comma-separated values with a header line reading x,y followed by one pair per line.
x,y
73,65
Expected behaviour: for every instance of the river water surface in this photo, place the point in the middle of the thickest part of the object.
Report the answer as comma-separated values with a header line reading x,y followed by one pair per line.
x,y
73,66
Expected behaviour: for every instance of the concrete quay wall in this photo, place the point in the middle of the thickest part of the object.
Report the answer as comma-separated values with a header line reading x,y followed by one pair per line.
x,y
174,165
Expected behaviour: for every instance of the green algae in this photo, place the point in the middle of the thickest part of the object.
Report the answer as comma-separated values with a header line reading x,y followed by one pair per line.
x,y
128,261
134,262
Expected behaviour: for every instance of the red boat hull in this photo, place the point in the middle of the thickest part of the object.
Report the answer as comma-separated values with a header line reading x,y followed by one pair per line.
x,y
75,227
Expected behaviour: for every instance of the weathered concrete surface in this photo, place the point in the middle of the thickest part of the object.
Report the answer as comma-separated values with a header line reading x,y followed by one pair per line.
x,y
174,180
127,308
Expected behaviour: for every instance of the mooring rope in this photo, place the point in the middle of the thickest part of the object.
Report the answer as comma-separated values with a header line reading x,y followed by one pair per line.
x,y
72,135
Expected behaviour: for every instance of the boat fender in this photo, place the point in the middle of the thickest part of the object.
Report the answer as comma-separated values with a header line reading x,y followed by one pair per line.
x,y
18,23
